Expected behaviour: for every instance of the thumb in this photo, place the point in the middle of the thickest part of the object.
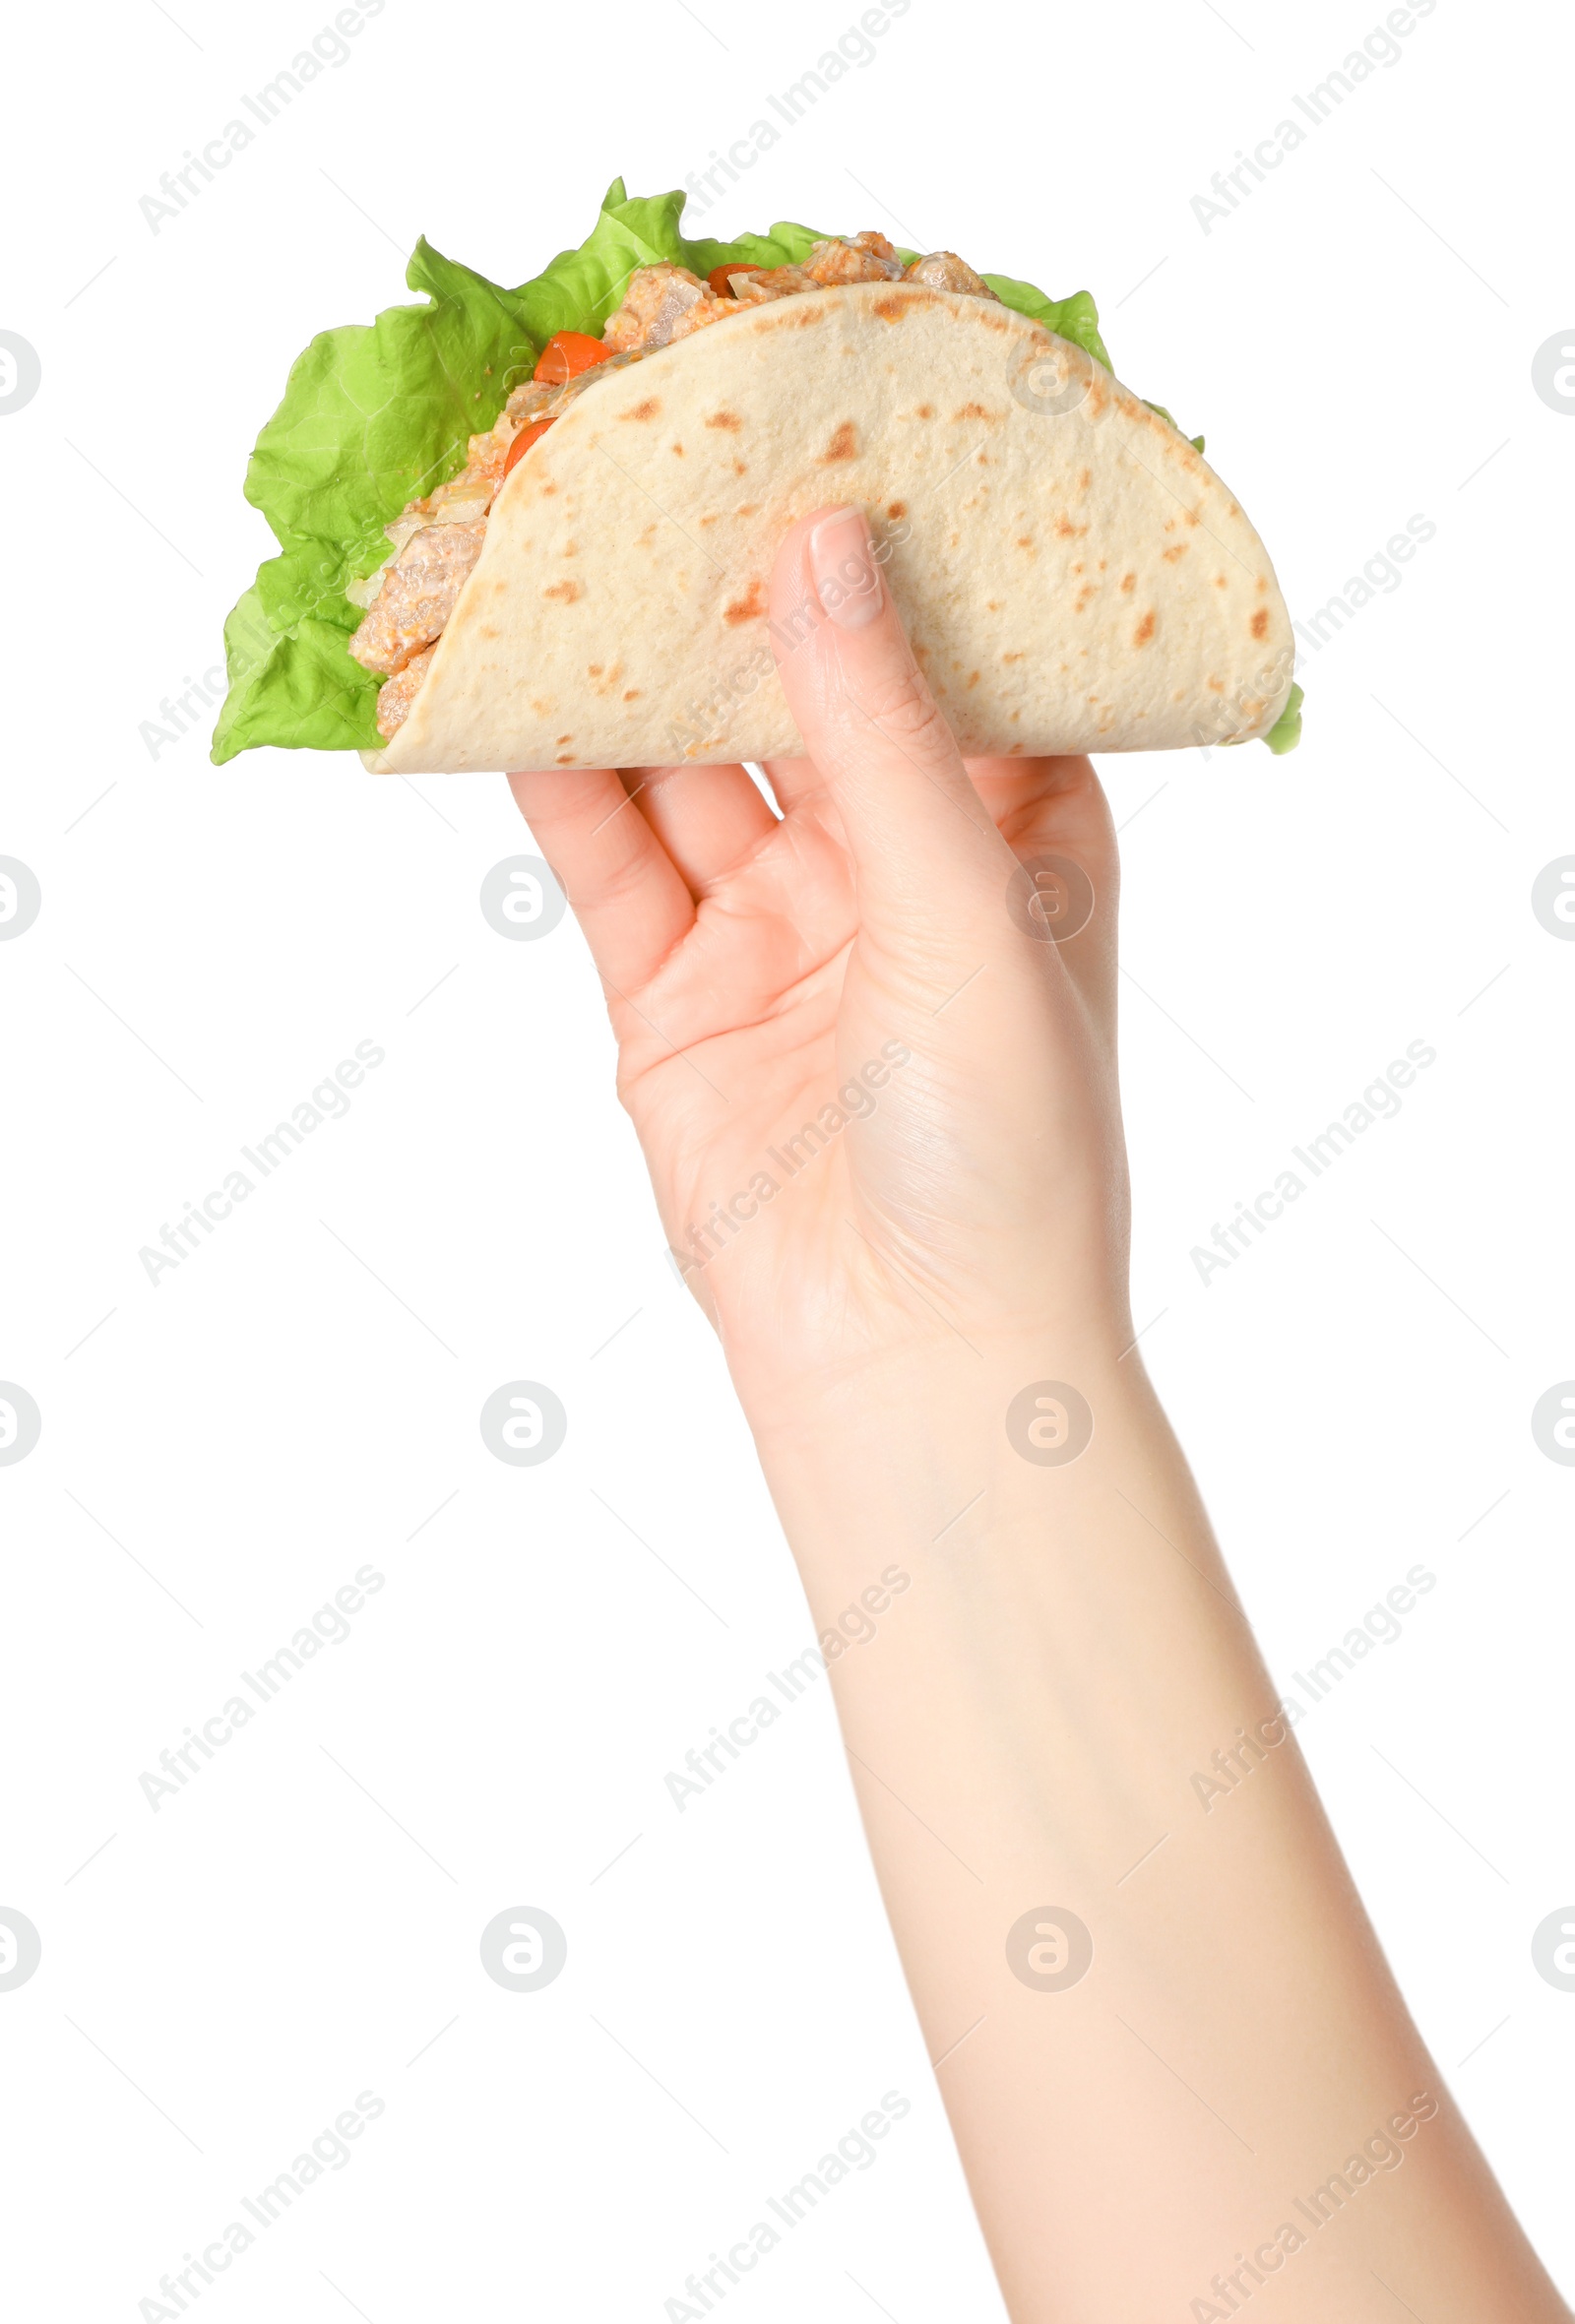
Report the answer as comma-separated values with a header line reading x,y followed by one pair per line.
x,y
913,817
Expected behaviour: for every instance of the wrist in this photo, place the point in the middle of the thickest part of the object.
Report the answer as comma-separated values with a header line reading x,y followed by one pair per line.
x,y
927,1437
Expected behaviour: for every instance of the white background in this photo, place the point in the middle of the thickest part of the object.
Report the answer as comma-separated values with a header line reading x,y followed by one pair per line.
x,y
219,1453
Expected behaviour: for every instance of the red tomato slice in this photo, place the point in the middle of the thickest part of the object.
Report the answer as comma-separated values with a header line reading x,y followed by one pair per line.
x,y
524,441
566,354
719,277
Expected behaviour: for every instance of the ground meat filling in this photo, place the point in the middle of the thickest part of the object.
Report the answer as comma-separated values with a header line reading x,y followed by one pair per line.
x,y
438,539
420,592
662,303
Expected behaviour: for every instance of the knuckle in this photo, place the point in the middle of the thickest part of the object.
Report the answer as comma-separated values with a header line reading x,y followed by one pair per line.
x,y
896,703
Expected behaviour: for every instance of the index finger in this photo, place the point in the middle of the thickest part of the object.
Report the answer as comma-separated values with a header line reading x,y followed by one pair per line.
x,y
622,885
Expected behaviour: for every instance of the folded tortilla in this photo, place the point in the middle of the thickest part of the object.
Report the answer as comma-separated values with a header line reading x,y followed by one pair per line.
x,y
1071,573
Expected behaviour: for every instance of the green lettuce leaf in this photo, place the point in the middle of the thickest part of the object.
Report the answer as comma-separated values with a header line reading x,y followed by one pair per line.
x,y
375,414
1286,733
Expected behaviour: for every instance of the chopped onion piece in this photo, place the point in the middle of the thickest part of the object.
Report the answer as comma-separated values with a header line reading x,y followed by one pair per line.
x,y
366,592
461,504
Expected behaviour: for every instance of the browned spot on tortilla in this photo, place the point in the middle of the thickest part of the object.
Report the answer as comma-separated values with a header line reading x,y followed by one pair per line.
x,y
1220,581
572,549
740,468
678,448
1083,597
895,509
843,445
1066,530
890,308
972,677
1145,629
1171,554
563,738
927,410
725,419
567,591
1025,540
565,758
746,608
747,508
1260,622
709,518
633,694
647,410
1011,656
546,490
1085,478
595,668
487,631
1263,586
970,412
994,604
1192,517
922,654
1215,685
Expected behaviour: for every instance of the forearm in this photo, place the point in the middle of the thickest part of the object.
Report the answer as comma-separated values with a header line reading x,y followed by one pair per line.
x,y
1024,1729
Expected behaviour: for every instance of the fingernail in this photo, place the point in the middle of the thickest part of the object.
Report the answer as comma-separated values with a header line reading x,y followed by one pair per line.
x,y
842,562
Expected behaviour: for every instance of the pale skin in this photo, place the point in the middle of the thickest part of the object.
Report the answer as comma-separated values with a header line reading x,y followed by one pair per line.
x,y
1070,1653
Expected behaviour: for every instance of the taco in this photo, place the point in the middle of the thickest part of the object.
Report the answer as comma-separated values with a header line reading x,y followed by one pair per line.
x,y
580,579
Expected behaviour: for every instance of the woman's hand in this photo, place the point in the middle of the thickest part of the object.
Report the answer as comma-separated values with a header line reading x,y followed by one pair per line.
x,y
878,1101
873,1077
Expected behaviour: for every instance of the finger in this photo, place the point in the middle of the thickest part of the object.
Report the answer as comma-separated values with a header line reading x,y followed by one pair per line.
x,y
794,783
1028,797
869,723
1054,815
624,889
709,819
